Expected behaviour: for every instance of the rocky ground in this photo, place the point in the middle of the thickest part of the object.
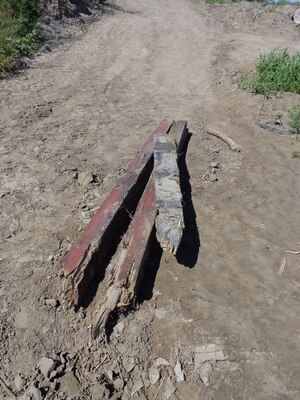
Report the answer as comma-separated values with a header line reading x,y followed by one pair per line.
x,y
217,322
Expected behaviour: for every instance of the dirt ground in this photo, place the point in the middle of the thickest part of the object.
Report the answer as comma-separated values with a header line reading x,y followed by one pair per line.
x,y
70,124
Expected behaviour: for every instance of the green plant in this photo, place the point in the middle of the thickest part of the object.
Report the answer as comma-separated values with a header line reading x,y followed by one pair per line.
x,y
296,154
277,117
18,30
294,113
276,71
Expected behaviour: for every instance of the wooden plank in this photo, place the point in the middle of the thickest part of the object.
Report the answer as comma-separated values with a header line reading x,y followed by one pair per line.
x,y
87,255
168,198
133,253
131,258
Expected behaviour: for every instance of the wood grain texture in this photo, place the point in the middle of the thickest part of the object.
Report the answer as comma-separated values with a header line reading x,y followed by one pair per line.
x,y
86,256
168,198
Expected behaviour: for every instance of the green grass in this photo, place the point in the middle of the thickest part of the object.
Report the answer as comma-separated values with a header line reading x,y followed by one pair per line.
x,y
277,71
294,114
18,31
296,154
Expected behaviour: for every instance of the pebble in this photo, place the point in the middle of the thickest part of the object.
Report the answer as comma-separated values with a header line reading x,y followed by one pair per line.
x,y
44,385
138,385
296,16
169,389
85,178
205,371
161,361
119,328
46,365
19,383
52,302
36,393
209,352
129,363
154,375
178,372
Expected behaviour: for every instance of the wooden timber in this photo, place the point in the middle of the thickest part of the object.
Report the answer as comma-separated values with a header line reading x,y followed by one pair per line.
x,y
132,256
168,198
86,256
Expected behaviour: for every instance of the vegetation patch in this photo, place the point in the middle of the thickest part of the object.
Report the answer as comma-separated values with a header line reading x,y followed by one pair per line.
x,y
18,31
294,114
277,71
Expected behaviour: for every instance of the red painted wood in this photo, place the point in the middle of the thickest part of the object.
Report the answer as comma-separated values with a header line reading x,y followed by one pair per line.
x,y
86,255
138,234
137,239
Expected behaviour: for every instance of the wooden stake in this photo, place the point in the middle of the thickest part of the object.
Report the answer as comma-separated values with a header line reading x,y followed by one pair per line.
x,y
226,139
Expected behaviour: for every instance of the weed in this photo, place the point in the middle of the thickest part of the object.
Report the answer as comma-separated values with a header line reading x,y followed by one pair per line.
x,y
296,154
294,113
277,118
276,71
18,31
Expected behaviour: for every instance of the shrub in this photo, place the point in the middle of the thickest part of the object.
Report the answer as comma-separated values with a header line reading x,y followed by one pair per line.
x,y
18,30
276,71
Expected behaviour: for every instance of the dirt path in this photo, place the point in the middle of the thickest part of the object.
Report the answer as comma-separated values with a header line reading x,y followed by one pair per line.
x,y
69,126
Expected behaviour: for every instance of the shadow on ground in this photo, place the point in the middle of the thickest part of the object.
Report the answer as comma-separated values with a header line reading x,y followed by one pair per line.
x,y
189,249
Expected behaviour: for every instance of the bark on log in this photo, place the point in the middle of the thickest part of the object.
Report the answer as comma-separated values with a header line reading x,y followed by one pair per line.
x,y
168,198
87,255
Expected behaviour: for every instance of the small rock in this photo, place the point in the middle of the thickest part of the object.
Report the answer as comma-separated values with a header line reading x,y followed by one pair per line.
x,y
53,374
161,361
110,375
178,372
209,352
60,369
119,383
53,385
160,313
36,393
296,16
154,375
19,383
119,328
39,378
138,385
169,389
46,366
129,363
52,302
44,384
85,178
205,371
70,385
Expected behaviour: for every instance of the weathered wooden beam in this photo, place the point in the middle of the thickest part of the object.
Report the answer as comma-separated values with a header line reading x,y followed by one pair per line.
x,y
88,253
168,198
132,256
